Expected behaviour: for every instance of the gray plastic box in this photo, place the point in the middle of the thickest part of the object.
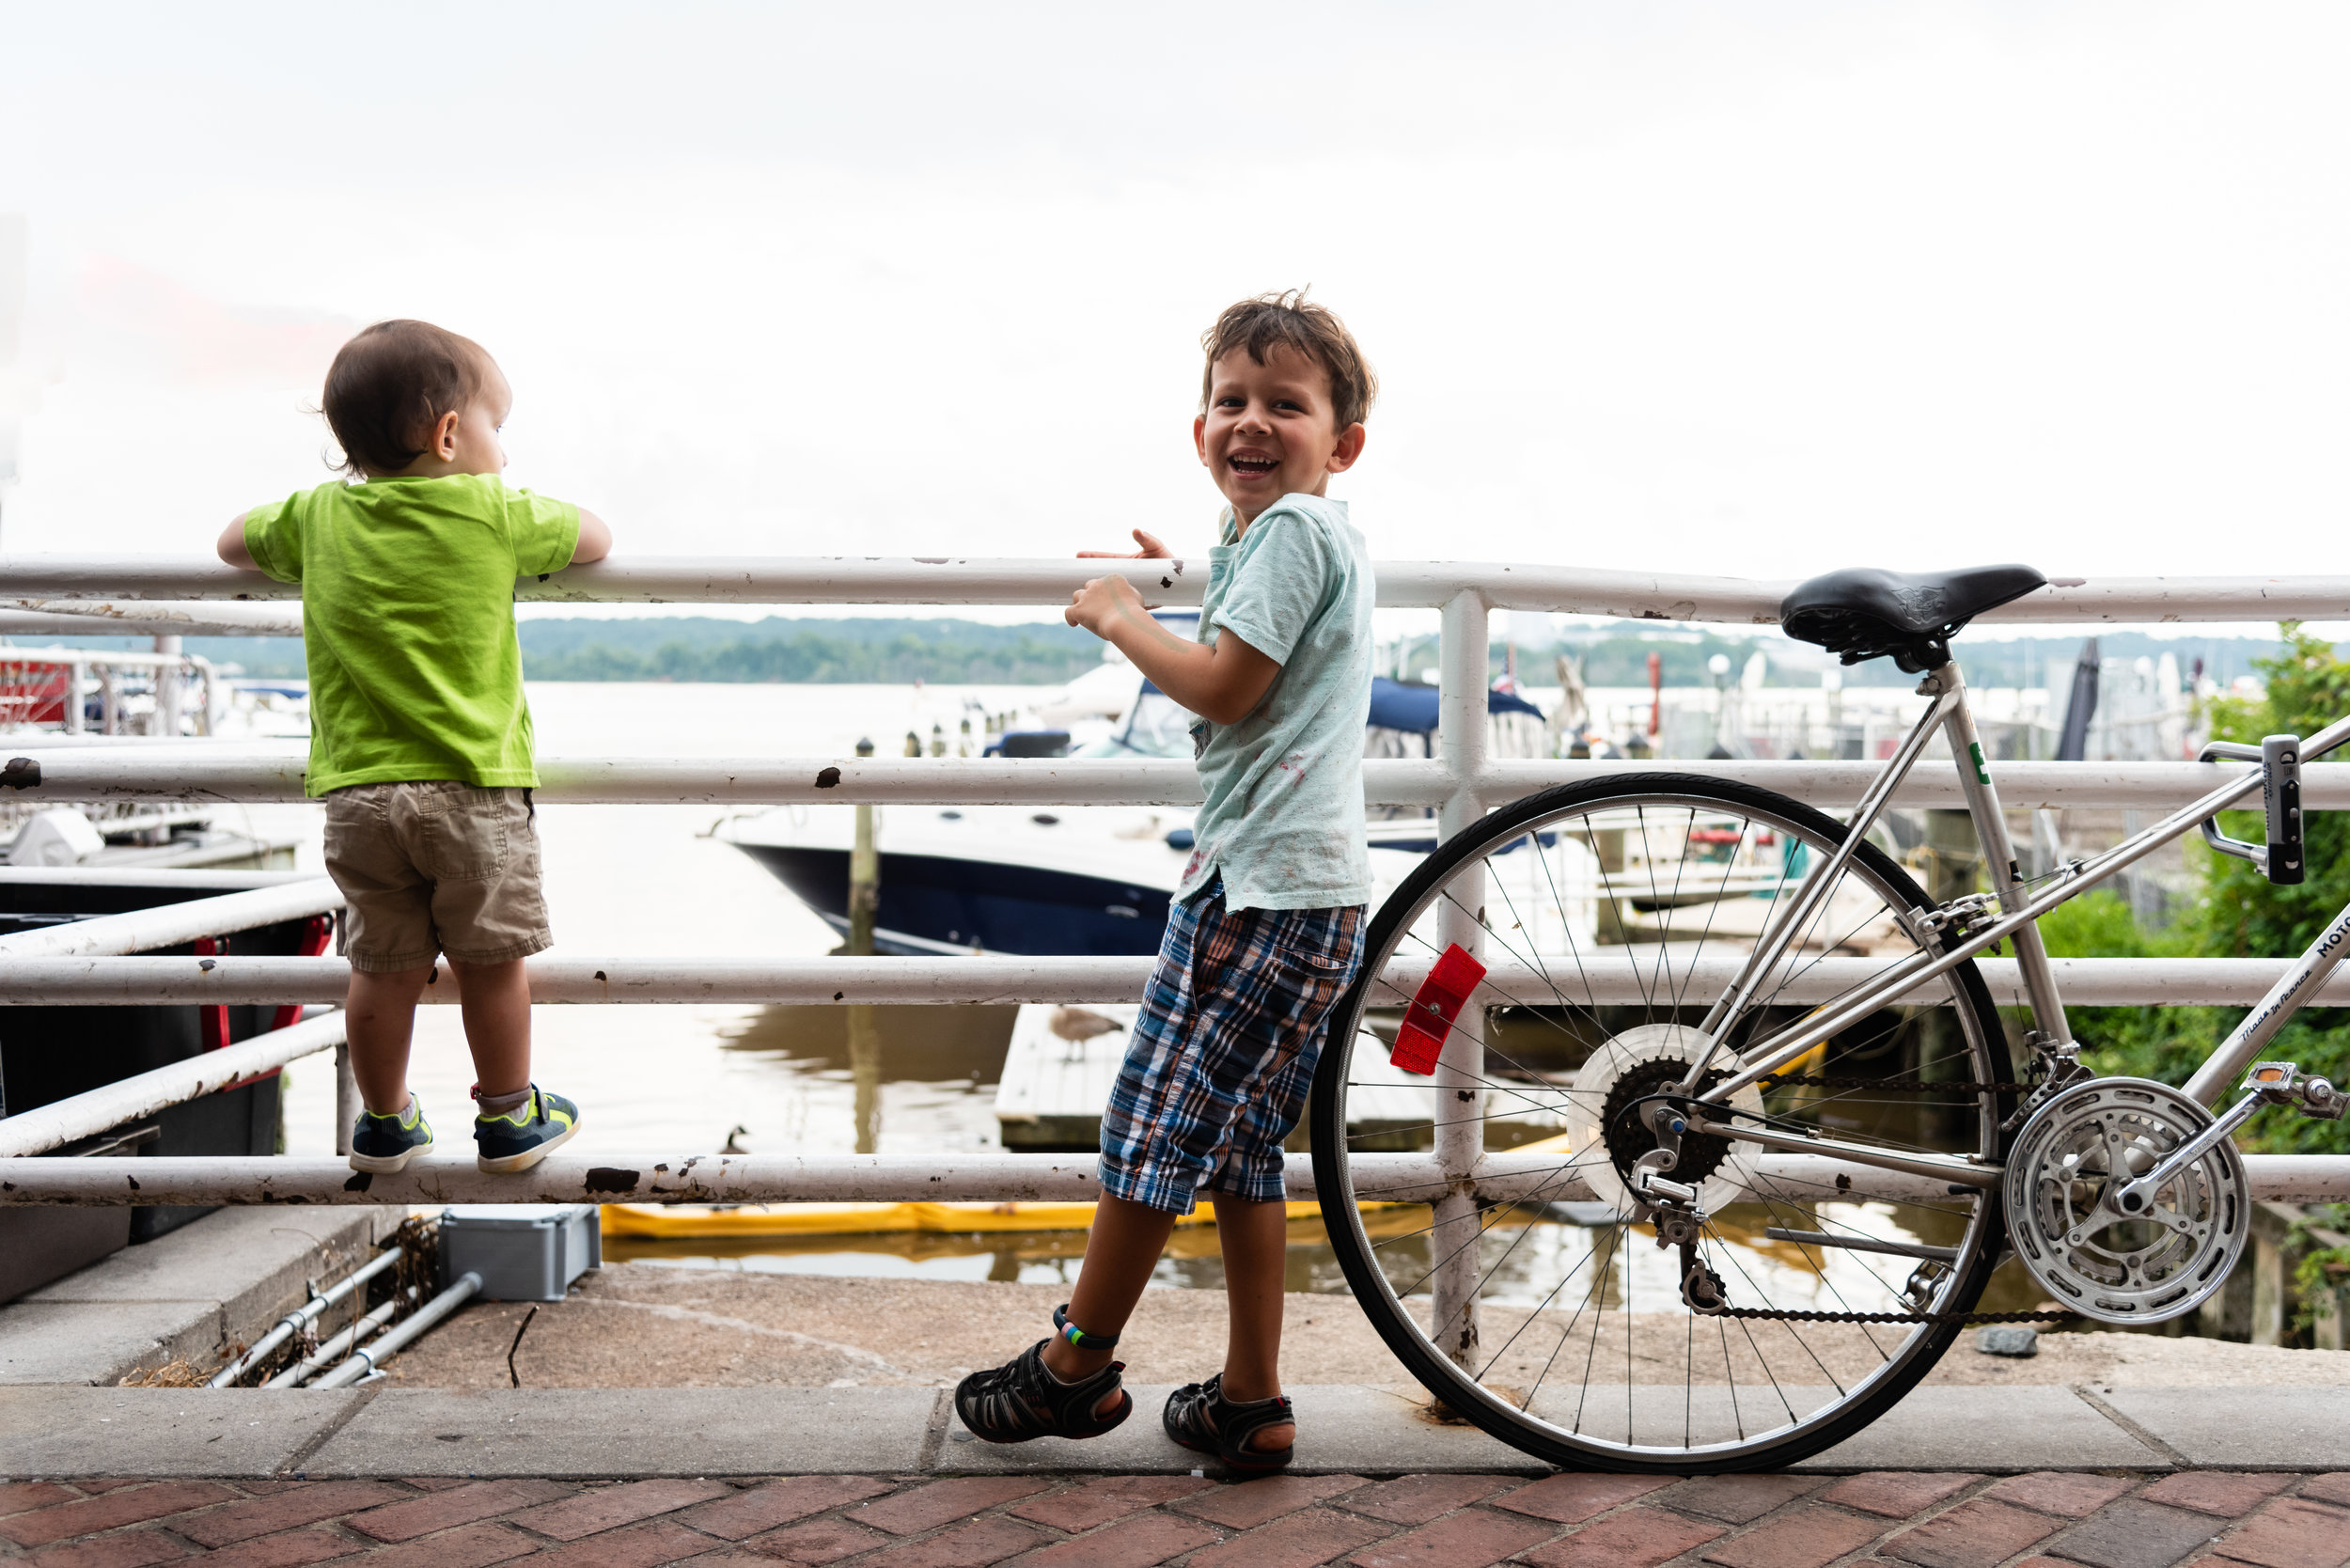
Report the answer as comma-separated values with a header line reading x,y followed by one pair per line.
x,y
523,1251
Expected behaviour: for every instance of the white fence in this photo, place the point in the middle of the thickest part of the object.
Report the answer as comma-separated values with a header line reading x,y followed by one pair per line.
x,y
1461,782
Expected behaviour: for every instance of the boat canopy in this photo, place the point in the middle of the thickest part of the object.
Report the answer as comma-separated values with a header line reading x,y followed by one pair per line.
x,y
1395,705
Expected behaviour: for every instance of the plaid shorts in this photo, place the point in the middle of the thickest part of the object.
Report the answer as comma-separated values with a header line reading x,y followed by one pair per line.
x,y
1224,1050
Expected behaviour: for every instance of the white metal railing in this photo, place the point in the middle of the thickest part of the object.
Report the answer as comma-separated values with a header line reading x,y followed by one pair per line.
x,y
236,774
566,1178
146,618
1461,782
168,925
37,581
232,981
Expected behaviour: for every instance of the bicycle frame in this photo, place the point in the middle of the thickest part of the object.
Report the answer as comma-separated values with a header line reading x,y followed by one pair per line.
x,y
2020,909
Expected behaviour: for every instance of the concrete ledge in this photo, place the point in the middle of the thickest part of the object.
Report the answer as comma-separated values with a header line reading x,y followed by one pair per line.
x,y
576,1433
633,1431
211,1283
1989,1430
81,1430
2244,1429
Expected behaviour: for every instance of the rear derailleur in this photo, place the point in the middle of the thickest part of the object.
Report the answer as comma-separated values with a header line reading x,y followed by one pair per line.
x,y
1673,1208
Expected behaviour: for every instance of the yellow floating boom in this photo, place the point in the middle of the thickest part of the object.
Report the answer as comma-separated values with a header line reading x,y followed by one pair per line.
x,y
654,1221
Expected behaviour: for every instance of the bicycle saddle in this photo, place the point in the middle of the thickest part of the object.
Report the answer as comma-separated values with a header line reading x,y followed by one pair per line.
x,y
1862,612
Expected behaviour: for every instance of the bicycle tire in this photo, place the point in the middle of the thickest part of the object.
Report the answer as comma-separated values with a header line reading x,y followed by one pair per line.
x,y
1451,1386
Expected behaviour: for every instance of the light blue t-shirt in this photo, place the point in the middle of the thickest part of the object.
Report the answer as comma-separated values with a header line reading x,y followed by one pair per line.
x,y
1283,823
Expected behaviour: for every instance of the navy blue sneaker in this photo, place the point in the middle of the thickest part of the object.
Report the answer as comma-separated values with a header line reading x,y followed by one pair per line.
x,y
386,1143
523,1137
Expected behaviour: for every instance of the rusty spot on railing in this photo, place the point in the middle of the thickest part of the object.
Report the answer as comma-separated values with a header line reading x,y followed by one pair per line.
x,y
605,1178
22,773
828,779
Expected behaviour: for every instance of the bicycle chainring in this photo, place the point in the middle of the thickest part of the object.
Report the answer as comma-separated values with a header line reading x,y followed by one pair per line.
x,y
2071,1160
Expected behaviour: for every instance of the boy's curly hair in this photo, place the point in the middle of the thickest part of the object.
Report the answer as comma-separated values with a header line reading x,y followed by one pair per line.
x,y
1290,320
390,385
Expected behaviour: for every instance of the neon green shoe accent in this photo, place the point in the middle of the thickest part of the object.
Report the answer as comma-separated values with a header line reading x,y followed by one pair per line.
x,y
383,1144
517,1139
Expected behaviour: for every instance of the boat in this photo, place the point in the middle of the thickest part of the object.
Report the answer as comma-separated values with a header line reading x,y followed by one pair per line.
x,y
1084,881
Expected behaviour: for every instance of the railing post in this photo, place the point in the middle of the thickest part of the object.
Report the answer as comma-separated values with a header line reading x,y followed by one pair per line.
x,y
1460,1127
346,1099
167,687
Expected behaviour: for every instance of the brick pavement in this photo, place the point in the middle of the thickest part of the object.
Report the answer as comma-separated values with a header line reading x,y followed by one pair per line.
x,y
1885,1519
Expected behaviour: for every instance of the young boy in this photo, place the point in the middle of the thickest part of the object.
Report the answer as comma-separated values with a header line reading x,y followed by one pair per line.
x,y
419,736
1267,925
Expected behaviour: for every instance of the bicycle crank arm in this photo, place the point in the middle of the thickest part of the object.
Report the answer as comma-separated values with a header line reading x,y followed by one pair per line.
x,y
2136,1198
1863,1244
1957,1171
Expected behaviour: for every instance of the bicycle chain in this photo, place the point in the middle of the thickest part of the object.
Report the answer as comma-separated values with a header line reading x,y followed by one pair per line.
x,y
1696,1275
1889,1317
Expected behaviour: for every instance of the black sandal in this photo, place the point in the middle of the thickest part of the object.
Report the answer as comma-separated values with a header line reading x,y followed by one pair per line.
x,y
1022,1399
1202,1420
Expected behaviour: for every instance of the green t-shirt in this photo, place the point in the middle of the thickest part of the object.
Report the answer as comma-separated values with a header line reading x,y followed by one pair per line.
x,y
408,622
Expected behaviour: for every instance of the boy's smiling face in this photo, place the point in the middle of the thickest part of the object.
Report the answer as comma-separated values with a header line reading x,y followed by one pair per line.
x,y
1270,431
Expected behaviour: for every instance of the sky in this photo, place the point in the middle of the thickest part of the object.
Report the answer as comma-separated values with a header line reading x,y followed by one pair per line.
x,y
1756,289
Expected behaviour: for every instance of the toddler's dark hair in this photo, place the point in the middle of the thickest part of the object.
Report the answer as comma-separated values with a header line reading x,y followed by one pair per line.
x,y
1290,320
390,385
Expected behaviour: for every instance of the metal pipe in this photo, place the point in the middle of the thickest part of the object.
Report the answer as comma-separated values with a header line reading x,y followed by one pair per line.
x,y
333,1350
144,876
167,683
240,982
84,618
168,925
1460,1135
220,771
979,580
94,1111
367,1357
1501,1176
347,1100
306,1313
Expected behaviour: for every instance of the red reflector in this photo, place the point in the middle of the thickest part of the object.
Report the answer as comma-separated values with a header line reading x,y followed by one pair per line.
x,y
1448,988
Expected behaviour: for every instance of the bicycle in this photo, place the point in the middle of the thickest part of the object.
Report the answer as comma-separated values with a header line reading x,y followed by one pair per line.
x,y
1680,1009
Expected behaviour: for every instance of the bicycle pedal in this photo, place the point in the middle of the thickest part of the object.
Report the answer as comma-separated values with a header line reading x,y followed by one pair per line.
x,y
2283,1083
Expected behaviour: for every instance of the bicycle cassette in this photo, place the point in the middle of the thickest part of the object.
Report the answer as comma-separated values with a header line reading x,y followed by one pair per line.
x,y
1615,1083
2064,1172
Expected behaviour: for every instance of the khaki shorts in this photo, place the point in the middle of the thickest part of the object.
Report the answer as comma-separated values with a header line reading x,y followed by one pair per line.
x,y
436,866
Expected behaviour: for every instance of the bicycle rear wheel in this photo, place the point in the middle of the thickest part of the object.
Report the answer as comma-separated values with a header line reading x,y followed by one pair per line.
x,y
1612,915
